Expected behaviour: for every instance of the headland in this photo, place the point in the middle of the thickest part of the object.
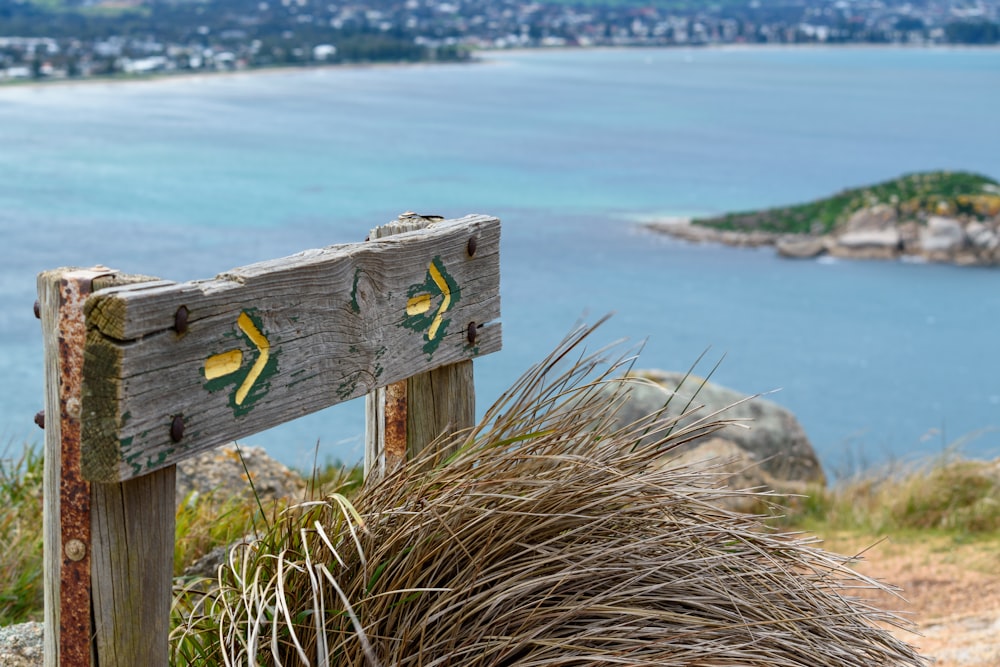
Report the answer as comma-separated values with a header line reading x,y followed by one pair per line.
x,y
940,216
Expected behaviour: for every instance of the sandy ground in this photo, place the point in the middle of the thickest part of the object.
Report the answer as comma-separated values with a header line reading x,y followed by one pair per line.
x,y
951,591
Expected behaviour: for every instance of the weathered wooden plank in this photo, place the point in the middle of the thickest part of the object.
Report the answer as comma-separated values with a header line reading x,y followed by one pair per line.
x,y
66,495
403,418
441,401
273,341
133,557
132,569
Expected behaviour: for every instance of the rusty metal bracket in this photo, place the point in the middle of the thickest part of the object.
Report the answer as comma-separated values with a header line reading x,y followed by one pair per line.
x,y
395,425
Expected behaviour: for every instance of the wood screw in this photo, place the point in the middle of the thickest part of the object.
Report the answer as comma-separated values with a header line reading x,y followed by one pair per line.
x,y
181,320
470,247
471,332
38,310
40,419
75,550
177,428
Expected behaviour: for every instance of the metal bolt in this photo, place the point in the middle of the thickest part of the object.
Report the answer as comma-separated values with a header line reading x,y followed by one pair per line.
x,y
471,332
181,320
75,550
40,419
38,310
470,247
177,428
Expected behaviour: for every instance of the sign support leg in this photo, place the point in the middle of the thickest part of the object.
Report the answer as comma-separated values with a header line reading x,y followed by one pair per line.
x,y
66,510
405,417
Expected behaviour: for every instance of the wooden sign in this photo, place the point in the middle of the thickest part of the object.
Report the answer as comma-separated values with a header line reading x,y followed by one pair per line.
x,y
172,369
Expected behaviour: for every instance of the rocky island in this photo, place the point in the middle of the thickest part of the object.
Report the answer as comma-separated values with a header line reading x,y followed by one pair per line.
x,y
951,217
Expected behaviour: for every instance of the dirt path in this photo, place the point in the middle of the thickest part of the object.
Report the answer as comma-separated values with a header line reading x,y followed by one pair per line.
x,y
951,591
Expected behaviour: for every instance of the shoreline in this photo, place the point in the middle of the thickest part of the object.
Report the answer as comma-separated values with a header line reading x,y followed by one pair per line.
x,y
176,75
478,57
805,246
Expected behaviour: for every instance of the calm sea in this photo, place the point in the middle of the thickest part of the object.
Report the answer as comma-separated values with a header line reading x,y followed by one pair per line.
x,y
189,177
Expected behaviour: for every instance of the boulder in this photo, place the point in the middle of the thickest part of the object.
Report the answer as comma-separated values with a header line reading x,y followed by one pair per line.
x,y
909,236
801,247
221,471
981,236
768,449
877,218
942,235
21,645
870,233
736,469
871,244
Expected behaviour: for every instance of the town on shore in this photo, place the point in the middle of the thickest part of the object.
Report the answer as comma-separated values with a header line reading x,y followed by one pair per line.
x,y
69,39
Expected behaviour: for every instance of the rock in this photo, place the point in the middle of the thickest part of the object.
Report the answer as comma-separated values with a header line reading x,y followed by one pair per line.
x,y
873,244
207,566
686,231
909,236
221,471
737,470
805,247
981,236
941,235
877,218
21,645
773,452
870,233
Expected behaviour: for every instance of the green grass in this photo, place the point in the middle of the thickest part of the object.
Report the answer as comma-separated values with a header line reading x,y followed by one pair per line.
x,y
202,524
913,196
20,535
948,496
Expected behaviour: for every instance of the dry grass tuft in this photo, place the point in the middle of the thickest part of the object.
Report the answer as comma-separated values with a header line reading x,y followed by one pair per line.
x,y
548,539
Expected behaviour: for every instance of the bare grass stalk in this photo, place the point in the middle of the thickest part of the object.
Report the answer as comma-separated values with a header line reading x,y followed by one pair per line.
x,y
548,539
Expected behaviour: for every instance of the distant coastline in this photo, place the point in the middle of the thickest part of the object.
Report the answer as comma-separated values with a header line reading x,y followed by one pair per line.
x,y
191,75
477,57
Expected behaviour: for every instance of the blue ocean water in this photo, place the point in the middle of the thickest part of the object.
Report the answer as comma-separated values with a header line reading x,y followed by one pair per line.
x,y
185,178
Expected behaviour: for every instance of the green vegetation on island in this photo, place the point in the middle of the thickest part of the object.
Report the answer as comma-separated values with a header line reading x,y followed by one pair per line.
x,y
914,196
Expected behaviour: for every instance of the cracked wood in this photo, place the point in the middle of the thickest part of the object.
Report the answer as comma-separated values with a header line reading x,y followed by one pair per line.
x,y
270,342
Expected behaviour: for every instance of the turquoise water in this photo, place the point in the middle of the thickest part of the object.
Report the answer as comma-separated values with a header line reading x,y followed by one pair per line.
x,y
186,178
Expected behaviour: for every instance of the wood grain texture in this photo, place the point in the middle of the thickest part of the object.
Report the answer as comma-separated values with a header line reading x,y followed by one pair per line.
x,y
132,566
68,517
49,300
132,559
338,323
441,401
406,417
66,505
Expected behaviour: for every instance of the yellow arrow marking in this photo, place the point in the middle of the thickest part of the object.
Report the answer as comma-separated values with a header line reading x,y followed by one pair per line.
x,y
223,364
229,362
247,326
443,286
418,305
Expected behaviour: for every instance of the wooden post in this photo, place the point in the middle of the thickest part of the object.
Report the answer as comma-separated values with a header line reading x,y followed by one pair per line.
x,y
132,566
66,511
133,563
86,525
403,418
142,376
